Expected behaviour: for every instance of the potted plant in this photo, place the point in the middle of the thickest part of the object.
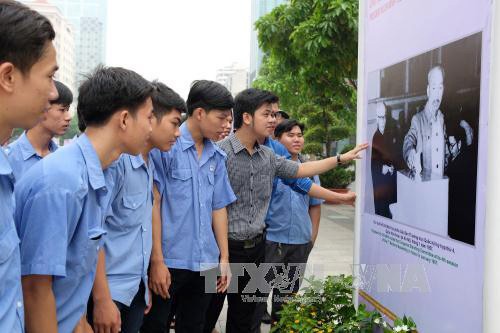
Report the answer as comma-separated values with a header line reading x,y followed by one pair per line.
x,y
327,306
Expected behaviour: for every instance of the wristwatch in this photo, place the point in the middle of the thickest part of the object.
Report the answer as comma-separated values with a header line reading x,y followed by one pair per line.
x,y
338,159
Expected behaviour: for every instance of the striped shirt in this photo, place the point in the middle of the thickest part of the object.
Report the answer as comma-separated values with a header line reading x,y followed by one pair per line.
x,y
251,177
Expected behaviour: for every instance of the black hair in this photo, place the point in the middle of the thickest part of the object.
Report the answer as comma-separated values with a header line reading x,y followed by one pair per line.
x,y
208,95
81,123
65,95
166,100
248,101
286,126
283,114
24,34
456,131
107,90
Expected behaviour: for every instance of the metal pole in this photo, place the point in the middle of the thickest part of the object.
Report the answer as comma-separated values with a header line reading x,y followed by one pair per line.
x,y
491,292
360,137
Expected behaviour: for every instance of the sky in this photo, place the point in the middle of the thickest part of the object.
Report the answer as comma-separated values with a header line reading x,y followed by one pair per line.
x,y
178,41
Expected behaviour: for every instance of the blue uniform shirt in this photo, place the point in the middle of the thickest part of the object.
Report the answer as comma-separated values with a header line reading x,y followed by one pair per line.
x,y
288,219
11,297
191,189
301,185
62,204
23,156
128,228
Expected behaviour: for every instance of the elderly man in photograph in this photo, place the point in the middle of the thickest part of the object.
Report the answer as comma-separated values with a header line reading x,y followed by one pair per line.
x,y
382,167
462,174
424,144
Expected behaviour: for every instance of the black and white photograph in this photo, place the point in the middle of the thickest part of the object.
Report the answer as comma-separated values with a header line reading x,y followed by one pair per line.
x,y
423,128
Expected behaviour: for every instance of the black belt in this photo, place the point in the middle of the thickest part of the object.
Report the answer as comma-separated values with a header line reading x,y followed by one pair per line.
x,y
247,243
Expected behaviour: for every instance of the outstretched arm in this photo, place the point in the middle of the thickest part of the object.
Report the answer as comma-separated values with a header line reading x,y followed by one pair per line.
x,y
320,192
310,169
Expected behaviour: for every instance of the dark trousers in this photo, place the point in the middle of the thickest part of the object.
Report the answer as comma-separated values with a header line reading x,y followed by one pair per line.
x,y
214,311
286,276
241,307
131,316
188,291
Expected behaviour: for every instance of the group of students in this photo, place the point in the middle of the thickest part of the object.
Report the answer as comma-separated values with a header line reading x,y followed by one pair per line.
x,y
123,228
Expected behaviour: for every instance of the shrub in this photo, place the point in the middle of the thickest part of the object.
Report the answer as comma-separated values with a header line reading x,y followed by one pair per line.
x,y
339,177
327,306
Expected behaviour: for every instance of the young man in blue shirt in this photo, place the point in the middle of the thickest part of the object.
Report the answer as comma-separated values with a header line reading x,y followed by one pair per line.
x,y
195,190
292,221
301,186
62,200
27,65
36,143
120,294
251,169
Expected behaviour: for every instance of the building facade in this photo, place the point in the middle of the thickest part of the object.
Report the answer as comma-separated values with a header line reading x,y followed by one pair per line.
x,y
259,8
234,78
89,19
64,42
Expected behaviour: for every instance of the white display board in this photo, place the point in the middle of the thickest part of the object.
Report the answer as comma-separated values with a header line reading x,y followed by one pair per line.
x,y
424,106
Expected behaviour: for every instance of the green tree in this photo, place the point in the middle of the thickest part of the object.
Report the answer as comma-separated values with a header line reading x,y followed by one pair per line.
x,y
311,62
16,133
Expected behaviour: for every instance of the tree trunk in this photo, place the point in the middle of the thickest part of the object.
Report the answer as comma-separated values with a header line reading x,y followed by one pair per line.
x,y
328,148
328,144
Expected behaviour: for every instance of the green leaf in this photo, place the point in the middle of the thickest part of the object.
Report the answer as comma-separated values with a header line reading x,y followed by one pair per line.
x,y
310,51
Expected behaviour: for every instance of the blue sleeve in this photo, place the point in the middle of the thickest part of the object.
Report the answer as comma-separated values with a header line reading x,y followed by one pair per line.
x,y
300,185
115,176
223,192
46,221
160,169
315,201
279,149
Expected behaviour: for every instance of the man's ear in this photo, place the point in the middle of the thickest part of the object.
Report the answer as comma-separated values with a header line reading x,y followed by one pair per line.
x,y
7,77
247,118
198,113
123,119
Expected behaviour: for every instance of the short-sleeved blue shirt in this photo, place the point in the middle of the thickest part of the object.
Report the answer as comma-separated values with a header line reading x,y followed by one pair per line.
x,y
301,185
191,189
11,297
22,156
128,227
288,219
62,201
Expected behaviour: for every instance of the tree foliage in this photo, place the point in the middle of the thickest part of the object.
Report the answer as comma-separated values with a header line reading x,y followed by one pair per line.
x,y
310,61
73,129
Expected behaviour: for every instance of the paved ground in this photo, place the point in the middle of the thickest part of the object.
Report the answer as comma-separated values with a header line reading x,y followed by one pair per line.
x,y
333,251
